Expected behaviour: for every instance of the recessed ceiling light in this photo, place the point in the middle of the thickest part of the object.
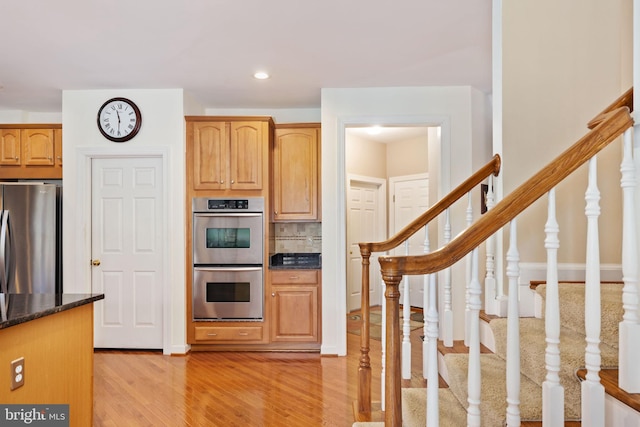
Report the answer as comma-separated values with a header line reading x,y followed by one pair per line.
x,y
261,75
374,130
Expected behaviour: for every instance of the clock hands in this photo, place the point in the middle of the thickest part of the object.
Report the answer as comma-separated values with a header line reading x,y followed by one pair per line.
x,y
118,113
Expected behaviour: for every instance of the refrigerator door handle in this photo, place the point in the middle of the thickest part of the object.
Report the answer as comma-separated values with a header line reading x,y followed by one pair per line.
x,y
7,258
4,225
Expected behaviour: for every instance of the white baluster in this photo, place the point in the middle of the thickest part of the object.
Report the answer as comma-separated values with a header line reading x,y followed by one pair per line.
x,y
629,329
475,304
447,319
431,320
406,323
592,389
467,311
490,291
513,330
425,303
552,390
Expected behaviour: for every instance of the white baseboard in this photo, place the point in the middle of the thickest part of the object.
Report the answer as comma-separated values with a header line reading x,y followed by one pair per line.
x,y
617,413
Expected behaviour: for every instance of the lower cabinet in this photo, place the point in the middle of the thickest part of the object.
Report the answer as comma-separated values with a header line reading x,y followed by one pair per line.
x,y
295,299
228,333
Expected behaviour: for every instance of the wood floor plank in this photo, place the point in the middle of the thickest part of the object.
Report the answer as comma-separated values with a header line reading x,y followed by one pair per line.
x,y
140,388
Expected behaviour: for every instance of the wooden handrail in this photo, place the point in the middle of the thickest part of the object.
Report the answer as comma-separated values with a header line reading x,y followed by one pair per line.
x,y
508,208
491,168
362,406
393,268
625,100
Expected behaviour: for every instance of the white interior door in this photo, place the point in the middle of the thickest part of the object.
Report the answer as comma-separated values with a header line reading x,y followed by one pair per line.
x,y
366,222
127,218
410,198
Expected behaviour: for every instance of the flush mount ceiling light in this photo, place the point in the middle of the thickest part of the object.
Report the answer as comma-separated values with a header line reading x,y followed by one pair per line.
x,y
261,75
374,130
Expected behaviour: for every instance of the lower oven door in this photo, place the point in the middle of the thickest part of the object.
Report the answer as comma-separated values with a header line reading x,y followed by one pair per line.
x,y
228,293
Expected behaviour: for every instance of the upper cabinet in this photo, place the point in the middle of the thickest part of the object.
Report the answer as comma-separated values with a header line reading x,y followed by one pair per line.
x,y
228,153
296,183
31,151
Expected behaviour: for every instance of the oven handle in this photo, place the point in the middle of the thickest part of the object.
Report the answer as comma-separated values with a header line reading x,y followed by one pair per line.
x,y
215,215
228,268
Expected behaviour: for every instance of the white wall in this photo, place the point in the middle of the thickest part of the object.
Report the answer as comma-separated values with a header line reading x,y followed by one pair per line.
x,y
163,134
19,116
452,108
279,115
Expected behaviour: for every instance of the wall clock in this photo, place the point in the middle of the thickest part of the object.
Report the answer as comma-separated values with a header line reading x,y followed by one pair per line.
x,y
119,119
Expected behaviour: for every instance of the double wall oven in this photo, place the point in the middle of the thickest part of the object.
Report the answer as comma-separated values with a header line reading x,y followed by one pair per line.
x,y
228,257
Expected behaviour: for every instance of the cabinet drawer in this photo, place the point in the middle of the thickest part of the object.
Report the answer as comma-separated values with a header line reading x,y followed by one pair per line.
x,y
291,277
228,333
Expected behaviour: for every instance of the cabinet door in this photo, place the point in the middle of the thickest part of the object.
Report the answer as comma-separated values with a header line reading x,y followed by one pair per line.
x,y
210,155
9,147
295,309
58,149
37,147
295,298
247,146
295,169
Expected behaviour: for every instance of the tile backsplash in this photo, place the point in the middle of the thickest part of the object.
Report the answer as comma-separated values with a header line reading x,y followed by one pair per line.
x,y
301,237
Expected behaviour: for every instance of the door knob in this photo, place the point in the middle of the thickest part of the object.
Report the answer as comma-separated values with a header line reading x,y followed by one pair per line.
x,y
95,262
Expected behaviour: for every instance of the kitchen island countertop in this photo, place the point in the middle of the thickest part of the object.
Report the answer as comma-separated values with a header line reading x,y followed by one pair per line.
x,y
22,308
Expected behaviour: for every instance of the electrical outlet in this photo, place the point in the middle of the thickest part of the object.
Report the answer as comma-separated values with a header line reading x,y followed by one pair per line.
x,y
17,373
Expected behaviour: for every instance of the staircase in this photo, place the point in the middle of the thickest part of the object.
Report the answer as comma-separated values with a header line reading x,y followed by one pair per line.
x,y
532,373
532,361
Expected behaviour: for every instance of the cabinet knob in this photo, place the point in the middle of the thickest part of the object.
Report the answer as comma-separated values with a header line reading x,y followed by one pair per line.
x,y
273,294
233,181
275,212
222,181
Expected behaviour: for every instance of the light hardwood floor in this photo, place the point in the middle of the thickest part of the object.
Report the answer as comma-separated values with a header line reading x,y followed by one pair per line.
x,y
134,388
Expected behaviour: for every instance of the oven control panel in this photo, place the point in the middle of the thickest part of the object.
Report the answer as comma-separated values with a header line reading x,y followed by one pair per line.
x,y
214,204
207,204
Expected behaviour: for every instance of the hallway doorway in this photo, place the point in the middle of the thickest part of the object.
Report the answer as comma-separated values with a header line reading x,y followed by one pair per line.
x,y
376,154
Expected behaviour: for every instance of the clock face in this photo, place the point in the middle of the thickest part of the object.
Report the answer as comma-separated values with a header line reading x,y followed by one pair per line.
x,y
119,119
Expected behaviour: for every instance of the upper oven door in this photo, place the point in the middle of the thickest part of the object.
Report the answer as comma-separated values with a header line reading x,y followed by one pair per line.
x,y
227,238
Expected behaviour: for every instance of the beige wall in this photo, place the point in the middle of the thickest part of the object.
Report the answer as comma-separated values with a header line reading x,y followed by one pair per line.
x,y
366,158
408,157
385,160
563,62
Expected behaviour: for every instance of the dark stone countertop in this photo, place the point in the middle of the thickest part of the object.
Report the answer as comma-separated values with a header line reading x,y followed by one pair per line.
x,y
22,308
295,261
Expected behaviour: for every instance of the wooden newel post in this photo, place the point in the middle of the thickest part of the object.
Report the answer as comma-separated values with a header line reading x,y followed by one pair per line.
x,y
393,396
364,368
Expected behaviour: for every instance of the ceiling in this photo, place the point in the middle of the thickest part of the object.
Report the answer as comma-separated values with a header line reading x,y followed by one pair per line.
x,y
211,48
388,134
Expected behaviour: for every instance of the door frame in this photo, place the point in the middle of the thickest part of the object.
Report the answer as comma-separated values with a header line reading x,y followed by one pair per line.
x,y
441,157
82,245
381,185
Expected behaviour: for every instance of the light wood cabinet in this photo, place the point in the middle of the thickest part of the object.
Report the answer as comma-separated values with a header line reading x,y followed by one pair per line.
x,y
228,333
296,183
228,154
31,151
295,298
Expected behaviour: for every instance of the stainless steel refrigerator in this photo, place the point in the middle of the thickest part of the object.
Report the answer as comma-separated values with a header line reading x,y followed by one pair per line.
x,y
30,238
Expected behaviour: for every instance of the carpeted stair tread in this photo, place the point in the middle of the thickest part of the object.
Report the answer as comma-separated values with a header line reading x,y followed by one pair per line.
x,y
493,406
572,308
414,406
532,356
